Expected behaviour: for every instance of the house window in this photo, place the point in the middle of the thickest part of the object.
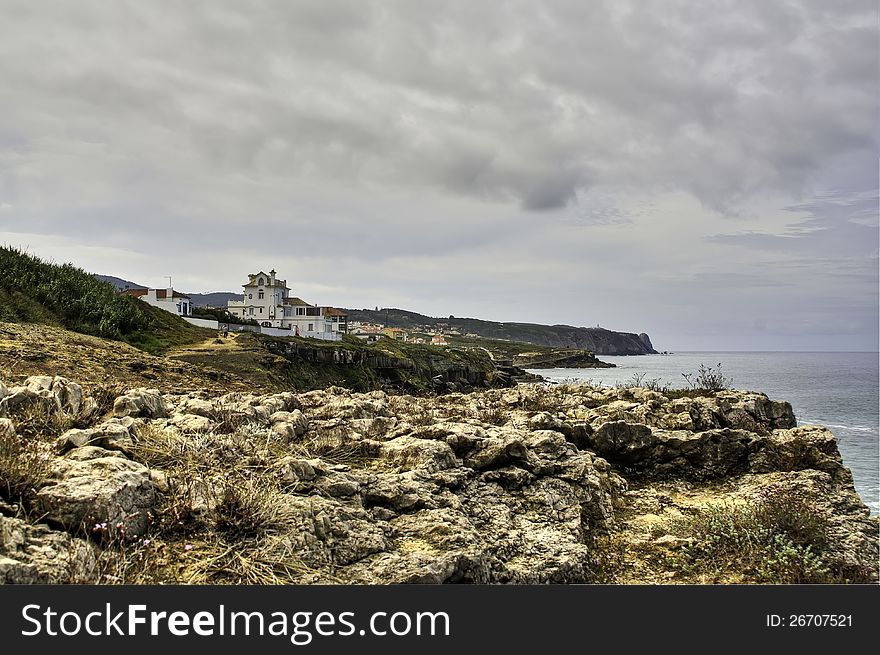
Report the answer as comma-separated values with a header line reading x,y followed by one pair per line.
x,y
252,311
311,327
300,311
250,296
260,294
261,310
260,281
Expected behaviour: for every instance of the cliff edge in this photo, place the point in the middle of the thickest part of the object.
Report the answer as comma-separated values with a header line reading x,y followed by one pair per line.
x,y
521,485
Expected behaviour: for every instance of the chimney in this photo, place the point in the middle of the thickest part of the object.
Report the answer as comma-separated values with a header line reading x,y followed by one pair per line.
x,y
272,276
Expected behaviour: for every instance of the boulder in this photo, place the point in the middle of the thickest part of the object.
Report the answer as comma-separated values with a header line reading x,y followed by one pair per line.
x,y
69,395
42,393
289,424
191,423
35,554
81,493
409,453
797,449
621,442
662,453
113,434
24,399
196,406
147,403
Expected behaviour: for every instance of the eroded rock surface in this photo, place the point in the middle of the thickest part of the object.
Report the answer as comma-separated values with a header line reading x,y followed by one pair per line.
x,y
497,486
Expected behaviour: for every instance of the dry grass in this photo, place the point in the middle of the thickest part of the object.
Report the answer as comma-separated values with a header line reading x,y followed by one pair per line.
x,y
24,463
222,519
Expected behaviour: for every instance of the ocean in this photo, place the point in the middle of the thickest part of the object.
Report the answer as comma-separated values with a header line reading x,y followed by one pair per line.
x,y
840,391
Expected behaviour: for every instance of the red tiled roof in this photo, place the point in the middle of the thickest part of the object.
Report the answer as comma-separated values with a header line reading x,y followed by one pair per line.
x,y
135,292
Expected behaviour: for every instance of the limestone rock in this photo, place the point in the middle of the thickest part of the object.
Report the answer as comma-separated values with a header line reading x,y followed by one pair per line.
x,y
105,489
410,453
140,402
197,406
23,399
113,434
191,423
35,554
42,393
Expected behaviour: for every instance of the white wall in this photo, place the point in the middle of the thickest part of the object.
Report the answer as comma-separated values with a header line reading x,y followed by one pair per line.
x,y
201,322
275,332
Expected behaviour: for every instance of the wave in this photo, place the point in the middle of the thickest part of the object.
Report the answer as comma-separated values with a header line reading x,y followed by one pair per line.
x,y
854,428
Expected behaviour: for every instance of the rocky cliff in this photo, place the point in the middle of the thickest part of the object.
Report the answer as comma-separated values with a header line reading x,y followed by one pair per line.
x,y
598,340
524,485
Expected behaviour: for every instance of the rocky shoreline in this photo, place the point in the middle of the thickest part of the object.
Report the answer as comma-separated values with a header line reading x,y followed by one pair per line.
x,y
560,359
529,484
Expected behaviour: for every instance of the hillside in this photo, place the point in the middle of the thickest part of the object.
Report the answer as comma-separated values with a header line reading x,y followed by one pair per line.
x,y
598,340
118,282
36,291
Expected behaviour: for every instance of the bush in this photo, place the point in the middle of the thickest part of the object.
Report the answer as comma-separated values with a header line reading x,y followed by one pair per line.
x,y
780,538
708,378
221,315
249,508
69,295
642,380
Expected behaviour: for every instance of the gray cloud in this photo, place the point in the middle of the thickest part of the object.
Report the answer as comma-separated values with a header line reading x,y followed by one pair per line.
x,y
527,152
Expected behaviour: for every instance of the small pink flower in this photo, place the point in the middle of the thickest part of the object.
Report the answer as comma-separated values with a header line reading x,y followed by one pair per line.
x,y
146,542
188,547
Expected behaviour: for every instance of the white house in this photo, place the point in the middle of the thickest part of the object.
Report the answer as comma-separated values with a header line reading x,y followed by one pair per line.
x,y
167,299
267,300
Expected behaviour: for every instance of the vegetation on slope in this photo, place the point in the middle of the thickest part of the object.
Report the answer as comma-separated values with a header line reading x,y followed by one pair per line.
x,y
36,291
599,340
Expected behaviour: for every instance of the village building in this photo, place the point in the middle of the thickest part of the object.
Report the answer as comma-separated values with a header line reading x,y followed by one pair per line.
x,y
439,340
267,300
398,334
167,299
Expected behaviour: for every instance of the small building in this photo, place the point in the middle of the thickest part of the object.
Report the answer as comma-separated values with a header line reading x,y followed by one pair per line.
x,y
338,319
167,299
439,340
398,334
267,300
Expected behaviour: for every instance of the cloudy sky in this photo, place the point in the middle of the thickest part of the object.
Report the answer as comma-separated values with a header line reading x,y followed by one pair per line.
x,y
704,171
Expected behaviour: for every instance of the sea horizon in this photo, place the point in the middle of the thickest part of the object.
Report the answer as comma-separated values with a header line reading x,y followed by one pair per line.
x,y
835,389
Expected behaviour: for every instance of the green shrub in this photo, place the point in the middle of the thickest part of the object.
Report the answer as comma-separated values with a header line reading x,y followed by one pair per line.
x,y
708,378
779,538
67,294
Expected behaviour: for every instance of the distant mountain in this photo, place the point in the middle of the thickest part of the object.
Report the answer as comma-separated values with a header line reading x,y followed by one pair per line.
x,y
215,299
598,340
119,283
